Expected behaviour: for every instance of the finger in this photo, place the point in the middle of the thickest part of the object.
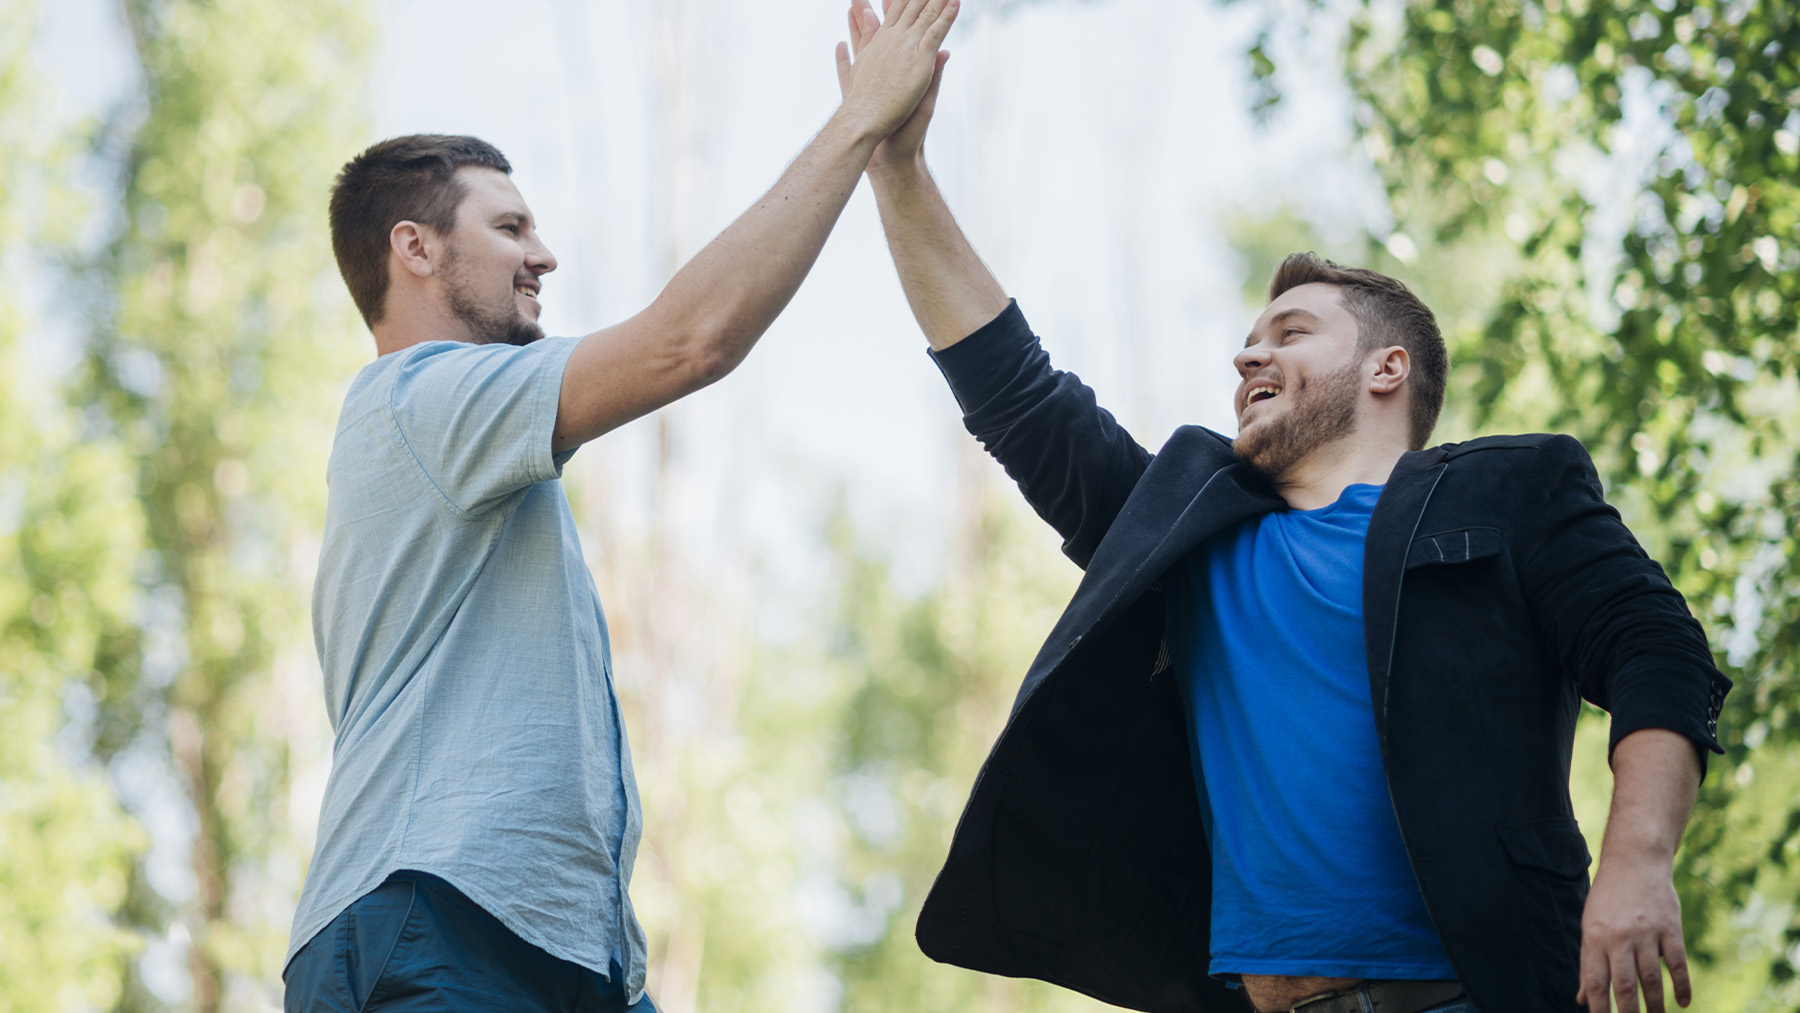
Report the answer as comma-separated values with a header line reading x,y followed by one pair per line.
x,y
1675,955
1624,980
903,13
940,27
1593,979
843,69
928,14
1649,973
862,24
928,101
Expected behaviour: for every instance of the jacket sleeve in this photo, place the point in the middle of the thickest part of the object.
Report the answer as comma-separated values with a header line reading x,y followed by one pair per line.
x,y
1608,610
1075,464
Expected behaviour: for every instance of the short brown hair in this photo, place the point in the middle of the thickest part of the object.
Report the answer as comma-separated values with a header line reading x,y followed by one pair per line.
x,y
401,179
1386,313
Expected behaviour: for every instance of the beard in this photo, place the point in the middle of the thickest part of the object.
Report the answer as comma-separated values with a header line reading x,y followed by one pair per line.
x,y
491,325
1322,412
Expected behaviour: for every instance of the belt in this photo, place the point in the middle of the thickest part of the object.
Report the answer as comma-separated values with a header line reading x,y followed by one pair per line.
x,y
1385,997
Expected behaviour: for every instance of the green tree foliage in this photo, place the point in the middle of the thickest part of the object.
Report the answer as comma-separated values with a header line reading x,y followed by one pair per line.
x,y
216,365
1629,170
926,684
68,536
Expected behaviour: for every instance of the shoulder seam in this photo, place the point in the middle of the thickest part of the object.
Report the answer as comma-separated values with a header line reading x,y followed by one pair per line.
x,y
387,408
1527,441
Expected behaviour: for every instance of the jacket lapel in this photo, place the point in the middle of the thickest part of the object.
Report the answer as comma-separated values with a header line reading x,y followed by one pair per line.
x,y
1391,532
1146,547
1233,494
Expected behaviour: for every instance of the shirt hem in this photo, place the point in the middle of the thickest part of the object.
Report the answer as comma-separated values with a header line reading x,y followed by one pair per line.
x,y
309,930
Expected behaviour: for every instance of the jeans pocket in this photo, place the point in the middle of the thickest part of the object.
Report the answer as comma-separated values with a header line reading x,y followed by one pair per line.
x,y
370,934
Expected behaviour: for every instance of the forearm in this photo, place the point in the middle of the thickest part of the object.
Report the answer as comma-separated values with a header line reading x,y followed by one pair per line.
x,y
723,300
1632,921
951,292
1656,774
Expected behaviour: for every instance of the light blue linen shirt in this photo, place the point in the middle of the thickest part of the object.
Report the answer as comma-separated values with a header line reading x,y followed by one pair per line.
x,y
468,673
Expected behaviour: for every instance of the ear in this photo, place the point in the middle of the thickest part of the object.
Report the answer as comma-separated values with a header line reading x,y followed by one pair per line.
x,y
1390,367
415,247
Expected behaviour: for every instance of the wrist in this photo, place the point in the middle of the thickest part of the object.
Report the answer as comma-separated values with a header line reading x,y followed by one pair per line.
x,y
899,171
855,127
1649,854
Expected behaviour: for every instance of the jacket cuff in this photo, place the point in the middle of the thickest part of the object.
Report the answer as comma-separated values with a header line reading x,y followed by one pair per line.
x,y
979,366
1682,706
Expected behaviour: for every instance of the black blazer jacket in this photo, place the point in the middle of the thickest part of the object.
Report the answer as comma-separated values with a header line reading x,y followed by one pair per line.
x,y
1499,589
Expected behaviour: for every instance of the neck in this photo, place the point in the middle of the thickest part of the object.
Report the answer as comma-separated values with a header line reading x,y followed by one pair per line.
x,y
409,322
1319,478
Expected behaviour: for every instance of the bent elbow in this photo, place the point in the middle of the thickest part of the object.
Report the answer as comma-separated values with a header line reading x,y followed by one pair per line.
x,y
710,364
711,351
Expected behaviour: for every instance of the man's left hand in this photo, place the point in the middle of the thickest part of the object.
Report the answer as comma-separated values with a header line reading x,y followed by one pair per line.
x,y
1631,925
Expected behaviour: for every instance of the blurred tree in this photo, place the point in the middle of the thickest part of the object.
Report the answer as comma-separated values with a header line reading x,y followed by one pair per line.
x,y
69,533
926,685
216,363
1625,176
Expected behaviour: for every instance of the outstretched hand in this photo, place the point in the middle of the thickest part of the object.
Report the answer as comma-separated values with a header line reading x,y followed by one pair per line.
x,y
891,69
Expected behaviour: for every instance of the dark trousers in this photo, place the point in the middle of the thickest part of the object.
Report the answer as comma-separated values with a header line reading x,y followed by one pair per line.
x,y
415,943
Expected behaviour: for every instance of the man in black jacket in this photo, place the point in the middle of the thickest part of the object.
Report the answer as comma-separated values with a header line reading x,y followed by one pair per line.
x,y
1305,727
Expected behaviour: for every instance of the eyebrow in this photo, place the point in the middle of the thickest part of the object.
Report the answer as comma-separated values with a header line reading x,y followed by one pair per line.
x,y
519,217
1278,318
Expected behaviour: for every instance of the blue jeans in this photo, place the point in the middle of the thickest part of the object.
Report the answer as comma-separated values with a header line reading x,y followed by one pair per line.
x,y
416,943
1454,1006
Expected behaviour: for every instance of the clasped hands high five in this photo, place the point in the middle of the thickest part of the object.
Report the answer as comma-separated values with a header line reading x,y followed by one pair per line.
x,y
890,70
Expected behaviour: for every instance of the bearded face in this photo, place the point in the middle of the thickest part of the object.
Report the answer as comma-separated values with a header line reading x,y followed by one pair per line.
x,y
494,317
1318,412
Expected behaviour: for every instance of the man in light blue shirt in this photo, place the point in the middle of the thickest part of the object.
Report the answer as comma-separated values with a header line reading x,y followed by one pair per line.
x,y
480,823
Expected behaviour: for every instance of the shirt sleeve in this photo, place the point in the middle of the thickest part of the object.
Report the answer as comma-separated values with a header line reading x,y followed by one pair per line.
x,y
478,419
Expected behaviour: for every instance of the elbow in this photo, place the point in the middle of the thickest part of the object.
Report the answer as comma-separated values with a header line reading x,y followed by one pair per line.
x,y
709,363
710,349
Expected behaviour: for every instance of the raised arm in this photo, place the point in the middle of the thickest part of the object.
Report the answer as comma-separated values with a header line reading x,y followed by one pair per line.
x,y
716,307
951,292
1075,464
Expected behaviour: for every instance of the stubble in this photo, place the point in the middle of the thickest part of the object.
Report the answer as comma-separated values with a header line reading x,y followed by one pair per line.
x,y
1323,412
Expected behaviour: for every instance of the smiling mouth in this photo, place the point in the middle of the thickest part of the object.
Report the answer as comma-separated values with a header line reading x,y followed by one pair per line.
x,y
526,290
1259,393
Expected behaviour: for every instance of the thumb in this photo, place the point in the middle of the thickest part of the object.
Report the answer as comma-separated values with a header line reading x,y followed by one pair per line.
x,y
843,69
929,100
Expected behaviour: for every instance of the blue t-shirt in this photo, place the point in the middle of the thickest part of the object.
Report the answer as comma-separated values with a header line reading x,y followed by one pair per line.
x,y
1309,872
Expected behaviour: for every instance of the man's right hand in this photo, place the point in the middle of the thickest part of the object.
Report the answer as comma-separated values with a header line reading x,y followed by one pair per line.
x,y
907,142
951,292
896,63
719,304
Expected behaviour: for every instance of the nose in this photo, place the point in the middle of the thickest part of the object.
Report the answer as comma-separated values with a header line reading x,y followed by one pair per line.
x,y
1249,360
538,258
